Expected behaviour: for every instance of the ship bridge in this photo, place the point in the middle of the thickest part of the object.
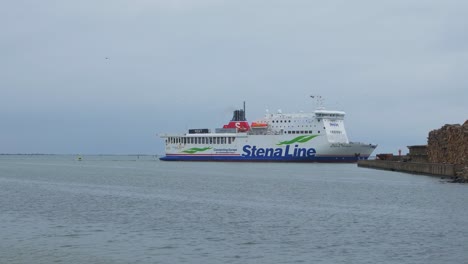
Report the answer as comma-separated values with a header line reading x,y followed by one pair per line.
x,y
333,124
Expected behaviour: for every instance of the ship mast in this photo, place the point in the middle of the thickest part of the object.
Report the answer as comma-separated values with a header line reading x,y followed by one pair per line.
x,y
318,101
244,108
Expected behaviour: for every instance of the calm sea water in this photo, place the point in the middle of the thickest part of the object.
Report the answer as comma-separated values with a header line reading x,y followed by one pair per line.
x,y
130,209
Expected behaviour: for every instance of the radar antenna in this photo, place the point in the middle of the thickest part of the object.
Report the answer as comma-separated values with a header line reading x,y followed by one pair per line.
x,y
318,101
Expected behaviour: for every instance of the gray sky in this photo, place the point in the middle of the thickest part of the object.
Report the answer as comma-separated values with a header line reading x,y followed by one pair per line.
x,y
397,68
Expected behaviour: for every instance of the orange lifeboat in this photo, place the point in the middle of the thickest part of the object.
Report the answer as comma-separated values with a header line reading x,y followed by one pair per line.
x,y
259,125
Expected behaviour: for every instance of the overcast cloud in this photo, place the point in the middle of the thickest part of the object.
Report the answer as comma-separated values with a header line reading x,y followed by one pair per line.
x,y
95,77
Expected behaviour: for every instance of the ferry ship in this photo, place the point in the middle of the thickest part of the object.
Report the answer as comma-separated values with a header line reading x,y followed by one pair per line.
x,y
318,136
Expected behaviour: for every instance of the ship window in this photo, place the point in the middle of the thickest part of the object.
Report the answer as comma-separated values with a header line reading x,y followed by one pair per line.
x,y
319,131
223,140
233,139
310,131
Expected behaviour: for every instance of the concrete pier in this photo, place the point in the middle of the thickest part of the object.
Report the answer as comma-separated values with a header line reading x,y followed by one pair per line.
x,y
438,169
445,155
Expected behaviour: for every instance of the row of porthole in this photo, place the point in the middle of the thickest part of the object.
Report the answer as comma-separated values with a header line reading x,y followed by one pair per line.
x,y
288,121
200,140
294,126
301,132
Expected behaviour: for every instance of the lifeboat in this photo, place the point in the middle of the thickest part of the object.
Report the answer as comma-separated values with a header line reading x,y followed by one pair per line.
x,y
259,125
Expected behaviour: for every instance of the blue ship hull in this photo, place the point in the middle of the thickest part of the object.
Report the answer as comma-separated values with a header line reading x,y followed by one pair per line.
x,y
341,159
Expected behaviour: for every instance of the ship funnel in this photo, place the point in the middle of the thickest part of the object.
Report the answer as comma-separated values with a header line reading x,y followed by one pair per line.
x,y
239,115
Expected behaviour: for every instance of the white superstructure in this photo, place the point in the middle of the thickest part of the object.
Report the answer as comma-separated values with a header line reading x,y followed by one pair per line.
x,y
319,136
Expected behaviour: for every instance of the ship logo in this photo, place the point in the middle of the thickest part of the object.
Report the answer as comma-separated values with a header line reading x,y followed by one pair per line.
x,y
299,139
195,150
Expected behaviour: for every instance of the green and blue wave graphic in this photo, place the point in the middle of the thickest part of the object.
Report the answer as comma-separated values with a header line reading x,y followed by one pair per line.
x,y
195,150
299,139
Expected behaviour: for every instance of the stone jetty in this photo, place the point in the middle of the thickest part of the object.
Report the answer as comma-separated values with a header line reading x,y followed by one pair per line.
x,y
446,155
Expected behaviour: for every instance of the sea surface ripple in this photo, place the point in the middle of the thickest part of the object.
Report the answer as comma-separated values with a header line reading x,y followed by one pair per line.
x,y
136,209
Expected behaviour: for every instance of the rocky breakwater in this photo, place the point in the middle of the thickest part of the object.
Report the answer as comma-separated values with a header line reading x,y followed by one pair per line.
x,y
449,145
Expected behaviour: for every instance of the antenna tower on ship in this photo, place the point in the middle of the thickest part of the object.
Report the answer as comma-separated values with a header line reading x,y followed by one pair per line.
x,y
244,108
318,101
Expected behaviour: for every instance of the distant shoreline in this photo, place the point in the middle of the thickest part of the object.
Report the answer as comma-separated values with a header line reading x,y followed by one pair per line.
x,y
48,154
